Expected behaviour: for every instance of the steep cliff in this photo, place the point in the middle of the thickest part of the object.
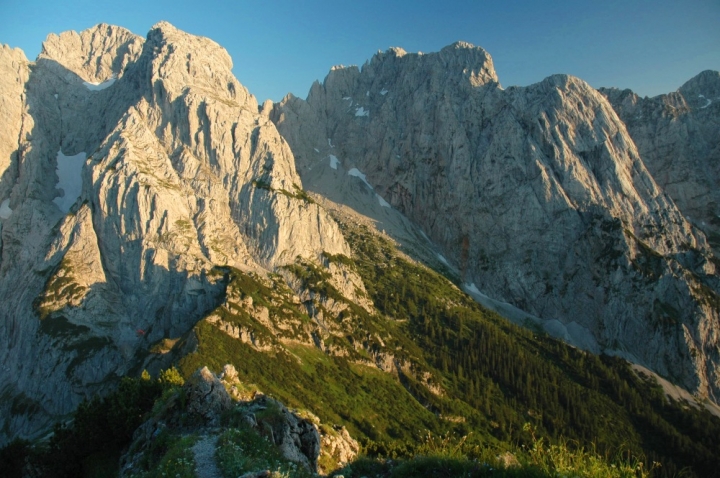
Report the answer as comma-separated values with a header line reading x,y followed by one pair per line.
x,y
131,169
677,137
538,195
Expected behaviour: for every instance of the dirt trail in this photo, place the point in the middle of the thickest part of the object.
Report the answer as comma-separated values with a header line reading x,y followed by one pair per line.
x,y
204,451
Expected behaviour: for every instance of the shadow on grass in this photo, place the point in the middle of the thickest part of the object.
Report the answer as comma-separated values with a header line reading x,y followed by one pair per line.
x,y
440,467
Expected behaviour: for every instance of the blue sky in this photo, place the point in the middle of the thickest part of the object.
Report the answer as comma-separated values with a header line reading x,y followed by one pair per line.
x,y
652,47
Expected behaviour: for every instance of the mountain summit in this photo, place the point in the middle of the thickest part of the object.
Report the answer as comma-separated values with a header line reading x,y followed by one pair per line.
x,y
539,196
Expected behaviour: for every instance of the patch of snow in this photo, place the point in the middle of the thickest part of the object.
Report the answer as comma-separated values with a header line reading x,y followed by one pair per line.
x,y
69,171
472,288
383,92
382,201
99,86
316,150
356,172
556,329
367,93
361,112
56,96
330,143
5,210
444,261
334,161
709,102
347,97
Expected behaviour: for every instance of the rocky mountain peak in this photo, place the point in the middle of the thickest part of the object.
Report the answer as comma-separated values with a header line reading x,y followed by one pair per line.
x,y
181,61
138,177
96,54
459,62
676,134
395,51
14,71
458,45
131,170
16,53
703,89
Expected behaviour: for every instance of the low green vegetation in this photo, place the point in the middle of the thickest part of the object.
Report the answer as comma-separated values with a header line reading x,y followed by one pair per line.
x,y
174,458
12,458
487,377
90,444
241,450
297,193
445,457
61,287
369,402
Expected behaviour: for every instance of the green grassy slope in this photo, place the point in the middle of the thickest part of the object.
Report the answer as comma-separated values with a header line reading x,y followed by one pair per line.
x,y
460,369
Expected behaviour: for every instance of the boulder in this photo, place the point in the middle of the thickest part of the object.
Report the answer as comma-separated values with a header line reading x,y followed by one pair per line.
x,y
206,397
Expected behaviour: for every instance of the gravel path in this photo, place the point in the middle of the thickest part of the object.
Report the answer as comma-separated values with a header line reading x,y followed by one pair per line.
x,y
204,450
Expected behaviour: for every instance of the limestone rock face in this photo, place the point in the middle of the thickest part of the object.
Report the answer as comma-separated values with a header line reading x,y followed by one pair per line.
x,y
538,196
677,137
14,72
130,169
96,54
206,397
340,446
297,438
138,176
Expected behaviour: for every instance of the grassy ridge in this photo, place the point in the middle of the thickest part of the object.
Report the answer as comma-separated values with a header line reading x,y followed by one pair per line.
x,y
494,377
370,403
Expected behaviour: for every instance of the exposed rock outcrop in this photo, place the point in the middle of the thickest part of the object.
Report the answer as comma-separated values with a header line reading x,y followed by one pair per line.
x,y
339,445
297,439
205,403
14,73
206,397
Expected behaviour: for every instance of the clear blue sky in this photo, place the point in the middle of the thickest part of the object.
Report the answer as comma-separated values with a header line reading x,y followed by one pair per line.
x,y
650,46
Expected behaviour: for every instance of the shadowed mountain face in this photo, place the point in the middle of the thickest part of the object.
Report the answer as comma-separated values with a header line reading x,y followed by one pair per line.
x,y
140,182
538,195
